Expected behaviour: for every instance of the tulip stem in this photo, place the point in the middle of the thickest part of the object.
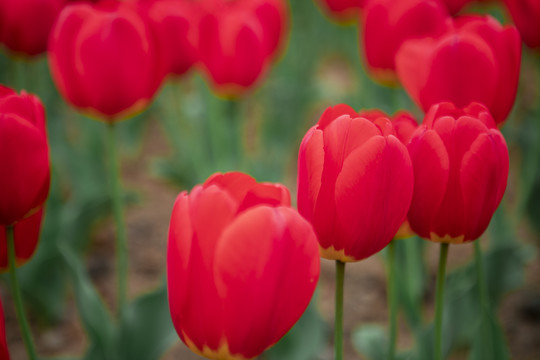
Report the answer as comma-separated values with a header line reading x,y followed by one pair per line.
x,y
439,301
17,298
235,128
392,299
338,322
121,243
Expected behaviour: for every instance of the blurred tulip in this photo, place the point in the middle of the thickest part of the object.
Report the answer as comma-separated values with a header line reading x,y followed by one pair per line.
x,y
4,351
24,156
238,40
477,60
355,183
460,162
104,58
25,24
241,266
176,24
342,10
454,6
526,16
386,24
26,233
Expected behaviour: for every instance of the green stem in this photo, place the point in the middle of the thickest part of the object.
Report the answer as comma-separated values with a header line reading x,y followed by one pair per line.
x,y
392,299
338,322
439,301
232,112
17,298
482,288
121,243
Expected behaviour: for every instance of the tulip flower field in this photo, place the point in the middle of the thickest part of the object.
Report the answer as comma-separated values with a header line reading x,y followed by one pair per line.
x,y
269,179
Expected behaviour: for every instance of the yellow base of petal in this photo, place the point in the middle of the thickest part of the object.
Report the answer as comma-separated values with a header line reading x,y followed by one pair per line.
x,y
446,239
332,254
222,353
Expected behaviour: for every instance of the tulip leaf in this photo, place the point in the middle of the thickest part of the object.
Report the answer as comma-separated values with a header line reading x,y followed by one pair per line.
x,y
306,339
372,342
489,342
146,330
95,317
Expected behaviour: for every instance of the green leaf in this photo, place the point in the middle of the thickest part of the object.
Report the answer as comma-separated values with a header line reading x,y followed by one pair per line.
x,y
146,330
372,342
489,342
306,339
95,317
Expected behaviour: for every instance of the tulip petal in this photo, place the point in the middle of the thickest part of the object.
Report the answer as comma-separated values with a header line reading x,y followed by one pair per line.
x,y
25,161
431,166
260,280
373,194
483,177
341,137
310,169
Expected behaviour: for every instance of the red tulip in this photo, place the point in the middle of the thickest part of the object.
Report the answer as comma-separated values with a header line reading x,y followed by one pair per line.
x,y
104,58
526,16
477,60
342,10
4,351
176,24
386,24
404,125
26,233
24,156
355,183
241,266
454,6
25,24
460,162
238,41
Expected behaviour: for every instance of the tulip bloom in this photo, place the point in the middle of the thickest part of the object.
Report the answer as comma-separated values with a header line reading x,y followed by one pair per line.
x,y
24,156
355,183
25,24
176,24
238,40
342,10
478,60
460,162
405,125
526,16
4,351
26,233
104,58
241,266
386,24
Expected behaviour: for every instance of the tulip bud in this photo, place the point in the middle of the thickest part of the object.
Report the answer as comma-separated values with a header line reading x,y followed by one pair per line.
x,y
24,156
104,58
478,60
460,162
342,10
26,233
176,25
355,183
526,16
4,351
241,266
386,24
238,40
25,24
